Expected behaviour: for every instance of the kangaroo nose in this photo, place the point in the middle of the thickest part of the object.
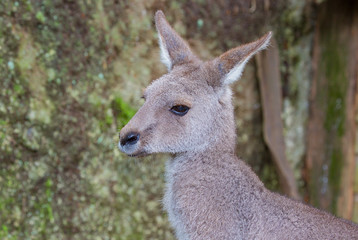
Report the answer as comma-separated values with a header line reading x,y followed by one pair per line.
x,y
130,139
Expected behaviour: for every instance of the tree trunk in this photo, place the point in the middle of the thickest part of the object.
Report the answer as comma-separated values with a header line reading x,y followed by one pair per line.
x,y
271,99
331,126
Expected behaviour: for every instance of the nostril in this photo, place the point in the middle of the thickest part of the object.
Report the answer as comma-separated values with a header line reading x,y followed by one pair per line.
x,y
130,139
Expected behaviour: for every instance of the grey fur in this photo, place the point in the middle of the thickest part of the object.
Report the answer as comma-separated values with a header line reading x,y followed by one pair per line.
x,y
210,193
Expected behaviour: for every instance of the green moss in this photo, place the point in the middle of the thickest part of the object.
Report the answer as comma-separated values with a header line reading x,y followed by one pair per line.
x,y
269,177
334,175
332,98
333,57
35,77
123,111
41,17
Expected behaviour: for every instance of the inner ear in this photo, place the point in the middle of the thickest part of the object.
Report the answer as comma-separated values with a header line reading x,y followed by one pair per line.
x,y
173,49
230,65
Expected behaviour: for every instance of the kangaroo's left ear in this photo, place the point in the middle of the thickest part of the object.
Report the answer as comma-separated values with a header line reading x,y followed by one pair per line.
x,y
173,49
230,65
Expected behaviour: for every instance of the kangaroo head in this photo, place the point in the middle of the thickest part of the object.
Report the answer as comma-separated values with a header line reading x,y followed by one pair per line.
x,y
189,108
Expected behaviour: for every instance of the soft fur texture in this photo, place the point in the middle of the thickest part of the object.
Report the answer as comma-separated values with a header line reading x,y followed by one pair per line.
x,y
211,194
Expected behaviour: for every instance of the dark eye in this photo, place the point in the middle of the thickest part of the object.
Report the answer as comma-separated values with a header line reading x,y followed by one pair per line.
x,y
180,110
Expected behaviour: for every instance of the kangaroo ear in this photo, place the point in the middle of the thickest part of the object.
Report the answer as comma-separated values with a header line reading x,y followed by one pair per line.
x,y
230,65
173,49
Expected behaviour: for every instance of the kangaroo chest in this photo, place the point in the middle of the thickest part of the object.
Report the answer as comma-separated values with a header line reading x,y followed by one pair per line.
x,y
202,194
195,197
169,201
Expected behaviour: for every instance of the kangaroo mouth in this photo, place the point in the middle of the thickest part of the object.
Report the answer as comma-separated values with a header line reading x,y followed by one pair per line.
x,y
139,154
133,150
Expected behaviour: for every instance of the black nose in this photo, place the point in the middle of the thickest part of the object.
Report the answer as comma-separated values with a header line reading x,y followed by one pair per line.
x,y
130,139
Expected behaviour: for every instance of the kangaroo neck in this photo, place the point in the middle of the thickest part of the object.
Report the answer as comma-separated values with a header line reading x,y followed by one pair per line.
x,y
222,136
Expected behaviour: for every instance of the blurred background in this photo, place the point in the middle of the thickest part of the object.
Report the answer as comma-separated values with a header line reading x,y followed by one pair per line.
x,y
72,74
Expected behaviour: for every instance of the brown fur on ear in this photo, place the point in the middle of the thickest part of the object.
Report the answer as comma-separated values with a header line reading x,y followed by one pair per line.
x,y
174,50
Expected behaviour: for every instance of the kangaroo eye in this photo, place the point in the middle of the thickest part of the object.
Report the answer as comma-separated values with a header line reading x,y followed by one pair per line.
x,y
180,110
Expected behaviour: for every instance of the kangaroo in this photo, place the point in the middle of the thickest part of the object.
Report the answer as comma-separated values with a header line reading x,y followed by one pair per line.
x,y
210,193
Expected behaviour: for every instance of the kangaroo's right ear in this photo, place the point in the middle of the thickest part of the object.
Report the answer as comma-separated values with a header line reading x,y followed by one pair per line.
x,y
174,50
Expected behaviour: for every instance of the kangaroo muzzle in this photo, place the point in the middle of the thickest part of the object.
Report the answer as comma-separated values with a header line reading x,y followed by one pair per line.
x,y
129,143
